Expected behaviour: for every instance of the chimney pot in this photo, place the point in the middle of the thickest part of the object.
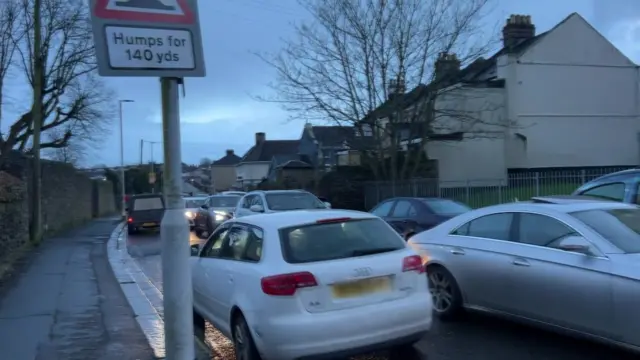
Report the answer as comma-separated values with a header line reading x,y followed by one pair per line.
x,y
517,29
260,137
229,151
446,65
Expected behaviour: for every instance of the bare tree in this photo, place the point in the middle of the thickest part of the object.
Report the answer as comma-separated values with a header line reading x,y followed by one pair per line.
x,y
9,35
70,94
349,64
205,162
72,154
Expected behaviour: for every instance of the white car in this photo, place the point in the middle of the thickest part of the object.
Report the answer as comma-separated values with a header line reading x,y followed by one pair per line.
x,y
307,283
271,201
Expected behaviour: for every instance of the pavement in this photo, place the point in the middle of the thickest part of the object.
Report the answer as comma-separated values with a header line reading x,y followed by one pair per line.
x,y
66,303
477,336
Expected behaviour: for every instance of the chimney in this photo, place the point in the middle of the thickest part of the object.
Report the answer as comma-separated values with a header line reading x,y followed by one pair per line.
x,y
260,137
517,29
229,152
396,87
446,65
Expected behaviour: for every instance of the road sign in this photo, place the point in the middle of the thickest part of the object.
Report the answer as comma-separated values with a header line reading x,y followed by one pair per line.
x,y
159,38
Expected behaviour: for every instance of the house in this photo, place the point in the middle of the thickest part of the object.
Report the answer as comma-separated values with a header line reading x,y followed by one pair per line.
x,y
255,164
223,171
293,170
564,98
321,144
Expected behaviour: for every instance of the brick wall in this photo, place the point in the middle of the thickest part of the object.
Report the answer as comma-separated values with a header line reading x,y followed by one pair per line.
x,y
69,198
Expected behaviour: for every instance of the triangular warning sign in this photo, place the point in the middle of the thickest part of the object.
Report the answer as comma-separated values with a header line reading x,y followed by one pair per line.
x,y
154,11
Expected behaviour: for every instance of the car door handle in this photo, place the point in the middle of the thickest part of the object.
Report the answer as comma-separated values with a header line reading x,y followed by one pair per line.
x,y
457,251
520,263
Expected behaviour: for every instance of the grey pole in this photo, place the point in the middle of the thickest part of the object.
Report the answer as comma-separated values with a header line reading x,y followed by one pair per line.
x,y
122,184
174,233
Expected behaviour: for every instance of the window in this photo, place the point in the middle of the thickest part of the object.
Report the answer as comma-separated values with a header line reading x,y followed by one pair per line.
x,y
151,203
542,230
338,240
383,209
496,226
214,243
462,230
402,209
614,191
243,243
446,207
293,200
246,201
223,201
621,227
194,203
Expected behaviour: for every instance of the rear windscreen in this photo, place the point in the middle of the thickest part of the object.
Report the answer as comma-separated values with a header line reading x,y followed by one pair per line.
x,y
153,203
329,241
194,203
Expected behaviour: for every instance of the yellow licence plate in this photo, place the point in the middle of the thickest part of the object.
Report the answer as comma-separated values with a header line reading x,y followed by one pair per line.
x,y
361,287
149,224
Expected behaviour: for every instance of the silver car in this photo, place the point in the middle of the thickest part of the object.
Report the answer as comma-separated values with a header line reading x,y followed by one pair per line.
x,y
573,266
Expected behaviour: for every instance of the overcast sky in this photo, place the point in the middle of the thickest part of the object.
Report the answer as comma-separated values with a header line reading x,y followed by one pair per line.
x,y
218,111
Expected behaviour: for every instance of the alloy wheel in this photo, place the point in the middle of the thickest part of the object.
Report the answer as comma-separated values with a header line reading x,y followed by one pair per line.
x,y
240,343
441,291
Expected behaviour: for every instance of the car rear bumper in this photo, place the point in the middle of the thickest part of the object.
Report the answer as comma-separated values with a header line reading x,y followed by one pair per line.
x,y
144,225
344,333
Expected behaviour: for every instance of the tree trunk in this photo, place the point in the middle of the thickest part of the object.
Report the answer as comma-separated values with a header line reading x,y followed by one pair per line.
x,y
38,78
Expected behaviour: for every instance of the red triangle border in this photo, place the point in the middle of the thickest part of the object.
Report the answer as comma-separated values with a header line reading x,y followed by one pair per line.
x,y
102,12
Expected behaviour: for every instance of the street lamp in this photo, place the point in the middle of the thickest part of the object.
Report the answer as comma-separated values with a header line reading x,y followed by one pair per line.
x,y
122,185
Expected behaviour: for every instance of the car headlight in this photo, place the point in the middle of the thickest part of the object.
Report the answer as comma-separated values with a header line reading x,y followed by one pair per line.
x,y
220,217
189,214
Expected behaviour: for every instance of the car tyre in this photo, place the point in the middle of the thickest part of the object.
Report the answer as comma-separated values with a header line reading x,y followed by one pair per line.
x,y
445,292
405,352
198,325
243,344
131,230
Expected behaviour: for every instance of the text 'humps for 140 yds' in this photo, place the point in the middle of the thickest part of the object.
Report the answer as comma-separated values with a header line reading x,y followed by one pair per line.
x,y
149,48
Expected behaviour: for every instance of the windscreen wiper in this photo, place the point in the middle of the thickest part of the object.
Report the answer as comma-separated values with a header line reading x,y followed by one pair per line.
x,y
362,252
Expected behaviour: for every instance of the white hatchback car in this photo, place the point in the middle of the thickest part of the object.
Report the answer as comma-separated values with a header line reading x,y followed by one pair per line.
x,y
271,201
307,283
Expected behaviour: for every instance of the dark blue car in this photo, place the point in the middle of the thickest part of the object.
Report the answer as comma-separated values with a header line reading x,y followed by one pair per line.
x,y
619,186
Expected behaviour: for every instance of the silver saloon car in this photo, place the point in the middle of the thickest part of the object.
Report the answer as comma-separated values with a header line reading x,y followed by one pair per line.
x,y
574,267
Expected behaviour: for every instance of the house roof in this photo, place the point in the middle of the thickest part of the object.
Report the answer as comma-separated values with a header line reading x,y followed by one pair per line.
x,y
227,160
294,164
267,149
332,135
471,74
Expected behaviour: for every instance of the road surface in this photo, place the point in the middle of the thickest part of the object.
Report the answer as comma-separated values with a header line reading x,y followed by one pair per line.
x,y
478,337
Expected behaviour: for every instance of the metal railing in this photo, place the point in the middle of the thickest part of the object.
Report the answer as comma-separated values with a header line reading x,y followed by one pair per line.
x,y
485,192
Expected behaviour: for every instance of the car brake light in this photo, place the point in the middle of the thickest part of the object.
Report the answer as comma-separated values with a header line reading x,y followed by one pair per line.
x,y
130,219
334,220
412,263
287,284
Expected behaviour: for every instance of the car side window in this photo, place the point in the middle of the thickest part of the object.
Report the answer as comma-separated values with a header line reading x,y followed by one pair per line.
x,y
242,243
462,230
383,209
258,200
495,226
214,244
246,202
402,209
612,191
542,230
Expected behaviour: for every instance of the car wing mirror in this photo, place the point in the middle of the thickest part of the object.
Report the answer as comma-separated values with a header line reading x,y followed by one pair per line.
x,y
256,208
576,244
327,204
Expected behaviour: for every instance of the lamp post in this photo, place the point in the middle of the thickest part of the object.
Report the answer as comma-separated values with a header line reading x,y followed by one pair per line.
x,y
122,184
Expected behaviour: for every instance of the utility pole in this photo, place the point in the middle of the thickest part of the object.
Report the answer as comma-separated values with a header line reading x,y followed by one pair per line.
x,y
36,114
123,187
174,232
141,150
151,163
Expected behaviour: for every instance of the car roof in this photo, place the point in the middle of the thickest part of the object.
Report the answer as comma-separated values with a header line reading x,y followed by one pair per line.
x,y
567,199
628,172
195,197
277,191
299,217
564,207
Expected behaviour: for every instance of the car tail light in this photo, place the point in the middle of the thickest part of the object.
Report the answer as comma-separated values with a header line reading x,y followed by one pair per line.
x,y
412,263
130,219
287,284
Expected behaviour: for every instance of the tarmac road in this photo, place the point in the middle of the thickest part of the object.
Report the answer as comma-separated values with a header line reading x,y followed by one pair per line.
x,y
477,337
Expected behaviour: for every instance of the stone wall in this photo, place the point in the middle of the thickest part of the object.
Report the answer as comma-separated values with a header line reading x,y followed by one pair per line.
x,y
69,198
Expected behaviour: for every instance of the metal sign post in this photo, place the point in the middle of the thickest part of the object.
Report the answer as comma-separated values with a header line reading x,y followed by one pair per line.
x,y
160,39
